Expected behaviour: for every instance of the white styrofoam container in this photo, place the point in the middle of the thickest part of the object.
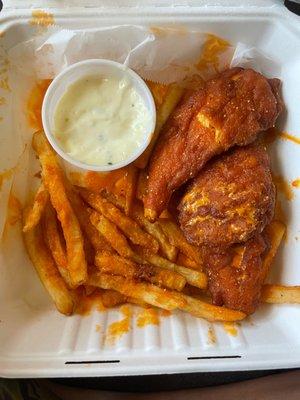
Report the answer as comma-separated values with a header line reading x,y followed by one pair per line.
x,y
36,341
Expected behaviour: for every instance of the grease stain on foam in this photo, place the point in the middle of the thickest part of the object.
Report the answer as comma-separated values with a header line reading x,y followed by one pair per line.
x,y
148,316
230,328
211,336
213,48
4,84
41,18
119,328
2,101
98,327
7,174
287,136
283,187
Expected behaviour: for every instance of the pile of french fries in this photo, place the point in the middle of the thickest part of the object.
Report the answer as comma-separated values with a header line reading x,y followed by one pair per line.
x,y
89,237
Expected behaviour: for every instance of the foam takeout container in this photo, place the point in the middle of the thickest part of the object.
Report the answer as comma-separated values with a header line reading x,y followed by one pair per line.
x,y
35,340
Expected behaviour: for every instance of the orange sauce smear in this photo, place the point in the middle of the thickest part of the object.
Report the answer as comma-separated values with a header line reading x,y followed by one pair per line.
x,y
212,49
41,18
230,328
34,103
4,84
148,316
117,329
283,187
6,175
14,210
296,183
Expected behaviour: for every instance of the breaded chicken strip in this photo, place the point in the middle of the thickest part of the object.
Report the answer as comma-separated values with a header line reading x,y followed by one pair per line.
x,y
236,275
229,110
231,200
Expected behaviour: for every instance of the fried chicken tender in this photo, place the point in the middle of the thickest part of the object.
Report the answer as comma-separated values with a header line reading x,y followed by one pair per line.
x,y
236,275
229,110
231,200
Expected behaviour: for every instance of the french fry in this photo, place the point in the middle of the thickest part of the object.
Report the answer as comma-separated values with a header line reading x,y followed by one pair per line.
x,y
166,299
115,265
111,298
54,182
47,270
177,238
275,232
165,109
83,214
187,262
55,243
130,228
141,185
279,294
89,289
131,183
145,292
111,233
193,277
154,229
34,214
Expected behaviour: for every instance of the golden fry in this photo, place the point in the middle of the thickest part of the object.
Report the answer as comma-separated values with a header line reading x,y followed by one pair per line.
x,y
154,229
54,182
55,243
177,238
131,183
280,294
164,110
194,278
275,232
130,228
187,262
113,264
111,233
145,292
111,298
141,185
47,270
34,214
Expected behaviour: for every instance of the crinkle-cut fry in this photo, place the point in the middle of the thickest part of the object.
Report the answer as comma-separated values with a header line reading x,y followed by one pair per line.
x,y
164,111
141,189
176,237
112,234
210,312
193,277
145,292
54,182
111,298
154,229
166,299
47,270
35,212
53,238
83,215
129,227
275,232
279,294
187,262
116,265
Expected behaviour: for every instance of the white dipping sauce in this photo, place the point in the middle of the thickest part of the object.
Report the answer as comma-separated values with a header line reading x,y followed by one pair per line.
x,y
101,121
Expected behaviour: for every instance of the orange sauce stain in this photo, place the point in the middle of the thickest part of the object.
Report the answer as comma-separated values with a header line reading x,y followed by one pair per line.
x,y
85,304
6,175
148,316
41,18
98,328
34,103
165,313
292,138
4,84
211,336
2,101
14,213
160,31
212,49
296,183
117,329
230,328
283,187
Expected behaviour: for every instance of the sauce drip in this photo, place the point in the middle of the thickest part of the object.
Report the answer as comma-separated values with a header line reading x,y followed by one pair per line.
x,y
230,328
148,316
119,328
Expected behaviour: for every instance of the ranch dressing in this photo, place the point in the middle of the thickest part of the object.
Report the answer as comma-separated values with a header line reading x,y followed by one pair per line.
x,y
101,121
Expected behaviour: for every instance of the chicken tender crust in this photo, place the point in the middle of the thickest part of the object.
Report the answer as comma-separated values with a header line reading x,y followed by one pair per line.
x,y
231,200
229,110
